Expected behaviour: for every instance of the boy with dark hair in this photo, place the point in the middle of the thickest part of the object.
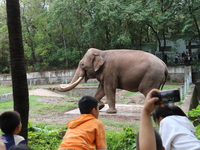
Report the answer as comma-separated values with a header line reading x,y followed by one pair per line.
x,y
10,123
85,132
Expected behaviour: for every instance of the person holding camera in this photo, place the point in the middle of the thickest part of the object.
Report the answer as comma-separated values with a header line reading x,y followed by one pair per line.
x,y
148,140
177,132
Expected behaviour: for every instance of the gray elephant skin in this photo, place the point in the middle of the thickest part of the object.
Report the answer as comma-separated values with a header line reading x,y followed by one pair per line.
x,y
131,70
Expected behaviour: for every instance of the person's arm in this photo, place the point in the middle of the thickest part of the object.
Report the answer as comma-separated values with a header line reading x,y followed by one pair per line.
x,y
101,137
146,133
2,146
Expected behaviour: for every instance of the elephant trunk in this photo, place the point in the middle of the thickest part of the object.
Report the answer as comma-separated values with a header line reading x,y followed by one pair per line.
x,y
67,87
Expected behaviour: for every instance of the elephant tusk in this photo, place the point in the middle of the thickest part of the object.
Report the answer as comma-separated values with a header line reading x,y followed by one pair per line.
x,y
63,86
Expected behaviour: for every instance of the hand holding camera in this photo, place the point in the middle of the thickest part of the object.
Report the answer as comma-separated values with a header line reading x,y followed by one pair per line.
x,y
170,96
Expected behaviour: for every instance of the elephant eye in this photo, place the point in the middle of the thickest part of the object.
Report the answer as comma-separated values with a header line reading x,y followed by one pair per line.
x,y
82,64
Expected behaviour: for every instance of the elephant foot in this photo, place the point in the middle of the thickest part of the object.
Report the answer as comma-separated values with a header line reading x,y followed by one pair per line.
x,y
101,105
111,111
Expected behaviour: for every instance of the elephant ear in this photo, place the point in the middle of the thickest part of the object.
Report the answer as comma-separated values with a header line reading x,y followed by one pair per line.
x,y
98,62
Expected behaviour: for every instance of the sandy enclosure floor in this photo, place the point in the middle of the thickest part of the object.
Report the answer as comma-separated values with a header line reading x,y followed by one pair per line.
x,y
129,108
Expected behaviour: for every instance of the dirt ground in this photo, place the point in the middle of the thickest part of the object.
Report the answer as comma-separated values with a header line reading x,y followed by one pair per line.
x,y
129,108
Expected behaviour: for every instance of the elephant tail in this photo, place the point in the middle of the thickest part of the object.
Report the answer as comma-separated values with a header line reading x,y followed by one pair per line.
x,y
165,79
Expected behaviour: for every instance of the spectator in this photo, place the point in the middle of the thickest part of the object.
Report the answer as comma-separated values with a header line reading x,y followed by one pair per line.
x,y
176,58
177,133
183,54
147,140
85,132
10,123
19,147
159,145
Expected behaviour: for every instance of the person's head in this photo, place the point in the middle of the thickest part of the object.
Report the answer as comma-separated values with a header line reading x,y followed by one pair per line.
x,y
19,147
167,110
89,105
159,145
10,122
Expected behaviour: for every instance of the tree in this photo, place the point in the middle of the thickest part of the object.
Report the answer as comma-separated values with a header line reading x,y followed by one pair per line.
x,y
19,79
190,32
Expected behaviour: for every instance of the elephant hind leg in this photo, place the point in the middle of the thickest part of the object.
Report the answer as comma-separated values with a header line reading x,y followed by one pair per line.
x,y
111,110
146,86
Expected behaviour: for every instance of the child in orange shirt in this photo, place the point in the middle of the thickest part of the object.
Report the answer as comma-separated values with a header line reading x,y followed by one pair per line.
x,y
85,132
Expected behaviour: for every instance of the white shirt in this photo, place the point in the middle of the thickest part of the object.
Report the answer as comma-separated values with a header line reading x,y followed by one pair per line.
x,y
177,133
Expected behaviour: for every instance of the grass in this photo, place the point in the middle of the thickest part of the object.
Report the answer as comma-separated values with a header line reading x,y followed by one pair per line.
x,y
38,107
5,90
88,84
166,87
119,125
6,105
58,105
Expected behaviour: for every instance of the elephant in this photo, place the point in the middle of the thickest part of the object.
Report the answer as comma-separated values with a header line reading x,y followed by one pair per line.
x,y
131,70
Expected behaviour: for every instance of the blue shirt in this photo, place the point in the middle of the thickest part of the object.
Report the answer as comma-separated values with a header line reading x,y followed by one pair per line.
x,y
10,140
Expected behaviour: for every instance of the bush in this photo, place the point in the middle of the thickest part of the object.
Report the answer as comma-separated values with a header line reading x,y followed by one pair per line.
x,y
45,139
121,140
194,113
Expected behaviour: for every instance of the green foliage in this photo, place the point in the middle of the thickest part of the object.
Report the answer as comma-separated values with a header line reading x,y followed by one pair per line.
x,y
121,140
194,114
174,80
73,57
44,138
56,34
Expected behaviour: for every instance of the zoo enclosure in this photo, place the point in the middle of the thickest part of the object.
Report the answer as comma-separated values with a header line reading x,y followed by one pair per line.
x,y
180,74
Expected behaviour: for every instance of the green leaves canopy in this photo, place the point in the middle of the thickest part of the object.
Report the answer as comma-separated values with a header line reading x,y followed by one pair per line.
x,y
57,33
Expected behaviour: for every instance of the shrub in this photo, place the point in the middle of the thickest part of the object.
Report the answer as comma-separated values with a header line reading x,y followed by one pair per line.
x,y
43,139
121,140
194,113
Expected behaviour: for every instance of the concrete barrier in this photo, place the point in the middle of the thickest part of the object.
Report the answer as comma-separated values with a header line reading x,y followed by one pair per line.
x,y
176,74
5,97
189,100
180,74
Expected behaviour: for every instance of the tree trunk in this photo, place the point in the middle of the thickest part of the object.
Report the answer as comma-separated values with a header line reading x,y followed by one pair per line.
x,y
190,48
18,70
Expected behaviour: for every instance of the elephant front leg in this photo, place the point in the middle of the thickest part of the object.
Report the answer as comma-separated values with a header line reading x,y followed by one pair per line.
x,y
110,94
99,95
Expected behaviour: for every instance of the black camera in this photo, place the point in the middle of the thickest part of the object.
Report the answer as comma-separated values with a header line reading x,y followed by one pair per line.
x,y
167,96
